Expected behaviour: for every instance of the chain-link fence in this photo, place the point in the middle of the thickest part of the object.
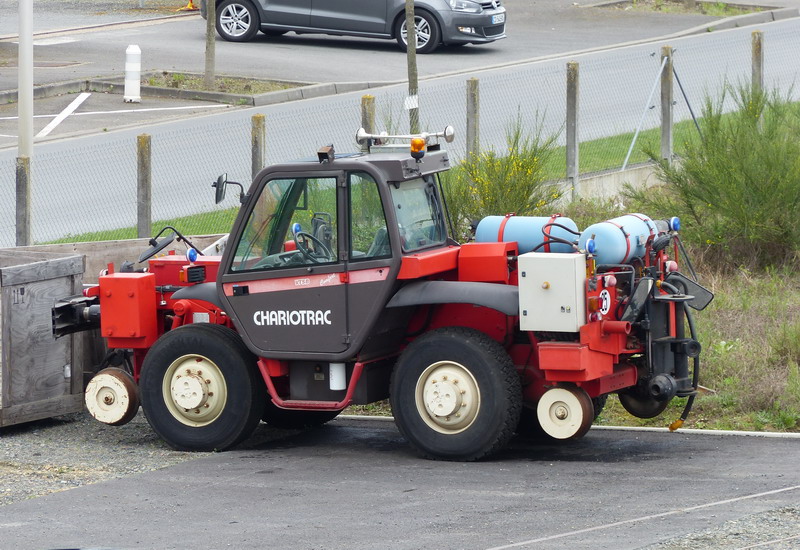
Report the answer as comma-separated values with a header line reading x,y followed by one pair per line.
x,y
86,191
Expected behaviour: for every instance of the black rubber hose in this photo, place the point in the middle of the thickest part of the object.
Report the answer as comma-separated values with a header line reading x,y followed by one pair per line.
x,y
695,365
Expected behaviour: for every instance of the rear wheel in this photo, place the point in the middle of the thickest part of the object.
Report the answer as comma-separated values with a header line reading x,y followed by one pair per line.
x,y
427,30
289,419
456,395
237,20
200,390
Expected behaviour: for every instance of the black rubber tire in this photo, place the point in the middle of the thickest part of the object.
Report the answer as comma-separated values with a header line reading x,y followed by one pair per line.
x,y
497,383
641,407
599,404
247,20
246,393
434,38
295,420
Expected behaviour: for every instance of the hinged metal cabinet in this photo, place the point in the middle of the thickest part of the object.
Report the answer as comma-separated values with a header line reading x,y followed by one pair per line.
x,y
38,374
552,291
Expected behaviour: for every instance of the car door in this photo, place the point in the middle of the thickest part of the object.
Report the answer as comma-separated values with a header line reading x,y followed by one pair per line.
x,y
367,16
283,280
294,13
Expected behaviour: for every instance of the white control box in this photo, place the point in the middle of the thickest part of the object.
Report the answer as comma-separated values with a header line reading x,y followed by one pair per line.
x,y
552,295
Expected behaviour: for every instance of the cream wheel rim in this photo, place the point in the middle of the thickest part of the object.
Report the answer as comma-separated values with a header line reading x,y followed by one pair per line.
x,y
194,390
562,412
109,399
447,397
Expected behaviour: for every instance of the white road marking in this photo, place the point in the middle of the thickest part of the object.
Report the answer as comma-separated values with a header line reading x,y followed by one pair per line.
x,y
122,111
54,41
64,114
645,518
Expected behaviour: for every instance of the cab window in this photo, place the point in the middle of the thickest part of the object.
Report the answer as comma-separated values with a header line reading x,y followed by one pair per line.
x,y
419,214
292,224
369,238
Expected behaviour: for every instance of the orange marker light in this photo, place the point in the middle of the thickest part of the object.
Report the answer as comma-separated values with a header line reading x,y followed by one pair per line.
x,y
417,148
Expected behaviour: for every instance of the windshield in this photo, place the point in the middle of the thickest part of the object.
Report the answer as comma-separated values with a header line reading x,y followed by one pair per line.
x,y
419,214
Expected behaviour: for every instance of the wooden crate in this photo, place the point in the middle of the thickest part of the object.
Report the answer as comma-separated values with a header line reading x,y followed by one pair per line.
x,y
38,374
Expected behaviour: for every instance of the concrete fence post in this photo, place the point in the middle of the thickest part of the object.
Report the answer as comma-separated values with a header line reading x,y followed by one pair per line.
x,y
144,187
473,117
573,143
258,139
757,79
666,104
23,190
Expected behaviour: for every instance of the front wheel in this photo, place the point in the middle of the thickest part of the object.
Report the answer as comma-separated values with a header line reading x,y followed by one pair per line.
x,y
237,20
456,395
427,30
200,390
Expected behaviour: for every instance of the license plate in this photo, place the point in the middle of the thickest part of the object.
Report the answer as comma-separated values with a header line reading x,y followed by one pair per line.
x,y
499,18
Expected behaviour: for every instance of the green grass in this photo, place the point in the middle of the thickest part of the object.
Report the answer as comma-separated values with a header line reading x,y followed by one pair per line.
x,y
206,223
226,84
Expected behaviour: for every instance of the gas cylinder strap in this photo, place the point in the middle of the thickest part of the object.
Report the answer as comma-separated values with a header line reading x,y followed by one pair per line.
x,y
502,228
647,221
546,230
627,240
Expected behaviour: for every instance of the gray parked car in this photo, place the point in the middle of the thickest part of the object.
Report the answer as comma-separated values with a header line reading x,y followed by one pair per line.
x,y
449,22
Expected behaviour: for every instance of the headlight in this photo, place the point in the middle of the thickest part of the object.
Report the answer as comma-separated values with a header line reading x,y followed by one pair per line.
x,y
465,5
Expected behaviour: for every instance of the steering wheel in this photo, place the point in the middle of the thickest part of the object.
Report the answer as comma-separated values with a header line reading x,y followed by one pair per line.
x,y
322,253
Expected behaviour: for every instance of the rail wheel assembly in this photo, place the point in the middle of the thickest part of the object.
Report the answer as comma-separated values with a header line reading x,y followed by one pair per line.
x,y
565,412
112,397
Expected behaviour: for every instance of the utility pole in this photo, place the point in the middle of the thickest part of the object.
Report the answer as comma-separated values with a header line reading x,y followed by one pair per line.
x,y
412,102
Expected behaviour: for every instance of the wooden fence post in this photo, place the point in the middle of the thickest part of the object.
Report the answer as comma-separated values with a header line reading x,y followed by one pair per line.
x,y
258,139
367,117
473,117
666,104
573,143
757,79
144,187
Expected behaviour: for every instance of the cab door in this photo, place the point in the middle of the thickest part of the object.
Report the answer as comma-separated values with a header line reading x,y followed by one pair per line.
x,y
283,273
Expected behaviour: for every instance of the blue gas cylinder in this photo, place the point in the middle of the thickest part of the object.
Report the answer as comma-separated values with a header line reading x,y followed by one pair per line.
x,y
527,232
619,240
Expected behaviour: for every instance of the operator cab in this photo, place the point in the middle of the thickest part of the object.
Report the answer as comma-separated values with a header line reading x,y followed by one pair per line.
x,y
316,249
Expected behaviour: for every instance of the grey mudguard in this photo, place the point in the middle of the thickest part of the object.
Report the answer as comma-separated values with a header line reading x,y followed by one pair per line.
x,y
503,298
206,292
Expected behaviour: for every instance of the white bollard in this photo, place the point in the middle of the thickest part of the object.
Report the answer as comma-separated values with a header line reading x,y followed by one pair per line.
x,y
133,72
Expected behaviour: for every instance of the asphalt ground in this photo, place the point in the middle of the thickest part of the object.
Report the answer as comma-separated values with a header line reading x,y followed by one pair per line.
x,y
356,484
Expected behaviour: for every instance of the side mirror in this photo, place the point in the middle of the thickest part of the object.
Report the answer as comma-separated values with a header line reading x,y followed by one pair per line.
x,y
156,246
220,185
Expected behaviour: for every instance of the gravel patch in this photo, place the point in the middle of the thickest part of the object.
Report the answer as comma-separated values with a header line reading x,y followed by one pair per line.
x,y
773,530
69,451
60,453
